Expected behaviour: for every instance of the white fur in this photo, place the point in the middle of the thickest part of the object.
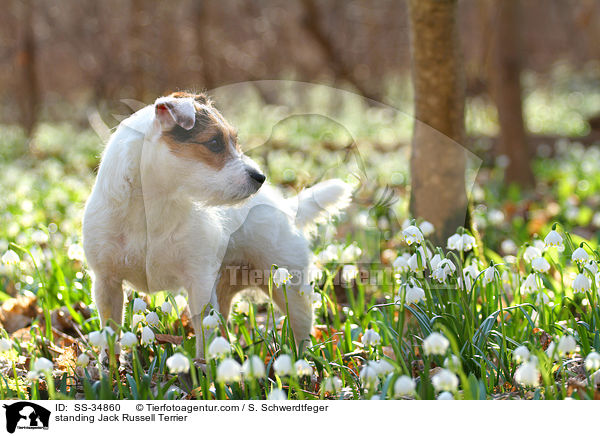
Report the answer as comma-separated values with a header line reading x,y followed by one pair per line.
x,y
161,222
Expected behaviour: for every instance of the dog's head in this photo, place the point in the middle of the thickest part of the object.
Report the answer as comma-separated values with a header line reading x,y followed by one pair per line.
x,y
203,156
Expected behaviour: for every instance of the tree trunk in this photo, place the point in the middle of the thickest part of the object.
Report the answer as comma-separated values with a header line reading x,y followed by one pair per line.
x,y
438,159
29,97
504,74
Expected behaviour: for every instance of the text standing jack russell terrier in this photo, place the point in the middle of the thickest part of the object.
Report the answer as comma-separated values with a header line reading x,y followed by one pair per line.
x,y
164,215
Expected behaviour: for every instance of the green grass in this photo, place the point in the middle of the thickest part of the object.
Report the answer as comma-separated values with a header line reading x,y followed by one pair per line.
x,y
44,184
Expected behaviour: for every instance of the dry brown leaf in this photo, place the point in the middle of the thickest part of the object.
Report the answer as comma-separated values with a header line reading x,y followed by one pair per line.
x,y
168,339
19,312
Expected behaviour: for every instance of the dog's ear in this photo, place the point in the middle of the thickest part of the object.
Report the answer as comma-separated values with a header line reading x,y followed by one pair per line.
x,y
171,111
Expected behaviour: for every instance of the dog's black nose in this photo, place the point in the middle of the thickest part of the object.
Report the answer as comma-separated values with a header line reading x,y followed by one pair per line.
x,y
259,177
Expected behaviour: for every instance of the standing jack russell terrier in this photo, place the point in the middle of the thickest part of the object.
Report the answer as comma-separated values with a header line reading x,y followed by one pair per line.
x,y
164,215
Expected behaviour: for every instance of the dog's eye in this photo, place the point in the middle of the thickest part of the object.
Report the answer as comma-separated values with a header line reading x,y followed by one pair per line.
x,y
215,145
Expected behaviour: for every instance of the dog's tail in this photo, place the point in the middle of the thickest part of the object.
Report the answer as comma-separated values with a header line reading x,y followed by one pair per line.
x,y
320,202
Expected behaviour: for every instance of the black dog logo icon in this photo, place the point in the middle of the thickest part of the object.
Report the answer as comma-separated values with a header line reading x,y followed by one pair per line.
x,y
26,415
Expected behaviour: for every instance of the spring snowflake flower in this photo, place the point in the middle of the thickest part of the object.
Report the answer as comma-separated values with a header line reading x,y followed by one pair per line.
x,y
530,284
443,269
581,283
580,255
349,273
531,253
464,242
97,339
412,235
332,384
540,264
435,343
253,367
521,354
592,361
5,345
566,345
591,266
445,380
382,367
452,363
370,338
277,395
10,258
553,239
281,276
283,365
83,360
166,307
137,319
445,396
139,305
542,298
351,253
210,321
42,365
489,274
426,228
219,347
303,368
404,386
421,255
128,340
401,263
178,363
528,374
75,252
413,294
153,319
368,376
147,336
328,255
508,246
229,371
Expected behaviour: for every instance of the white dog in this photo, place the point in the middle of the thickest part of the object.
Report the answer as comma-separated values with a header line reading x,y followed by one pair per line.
x,y
161,216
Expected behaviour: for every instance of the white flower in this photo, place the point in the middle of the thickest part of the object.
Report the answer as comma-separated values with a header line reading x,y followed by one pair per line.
x,y
219,347
468,242
443,269
277,395
166,307
542,298
210,321
370,338
283,365
452,363
243,307
531,253
349,272
421,256
404,386
5,345
181,303
455,242
83,360
229,371
178,363
435,343
521,354
592,267
10,258
368,376
489,274
139,305
413,295
153,319
401,263
527,374
550,350
567,345
529,285
350,253
434,261
128,340
412,235
97,339
328,255
581,283
332,384
508,246
553,239
580,255
445,380
136,319
382,367
281,276
39,237
426,228
469,274
303,368
147,336
42,365
253,367
75,252
592,361
445,396
540,264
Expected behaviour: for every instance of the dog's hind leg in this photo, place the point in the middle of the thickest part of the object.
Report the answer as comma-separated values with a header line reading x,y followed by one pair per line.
x,y
108,296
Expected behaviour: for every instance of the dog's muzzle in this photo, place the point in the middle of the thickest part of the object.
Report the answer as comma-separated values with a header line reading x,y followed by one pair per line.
x,y
258,177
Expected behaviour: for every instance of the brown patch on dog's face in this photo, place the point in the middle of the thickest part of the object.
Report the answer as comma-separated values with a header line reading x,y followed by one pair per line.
x,y
211,141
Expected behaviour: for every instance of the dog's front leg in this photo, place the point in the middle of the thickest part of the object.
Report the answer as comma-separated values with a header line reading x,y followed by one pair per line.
x,y
202,298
